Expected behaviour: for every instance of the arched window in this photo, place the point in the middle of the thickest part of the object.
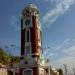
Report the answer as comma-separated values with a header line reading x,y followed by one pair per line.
x,y
27,42
27,35
28,72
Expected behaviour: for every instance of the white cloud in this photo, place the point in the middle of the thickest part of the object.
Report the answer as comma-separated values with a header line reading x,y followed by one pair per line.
x,y
61,6
59,47
68,56
64,53
70,51
51,54
69,62
65,42
53,51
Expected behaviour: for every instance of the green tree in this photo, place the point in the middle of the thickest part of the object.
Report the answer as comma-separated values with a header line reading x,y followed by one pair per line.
x,y
15,59
6,58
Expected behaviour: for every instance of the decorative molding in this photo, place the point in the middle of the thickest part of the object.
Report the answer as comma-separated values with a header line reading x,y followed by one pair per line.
x,y
30,25
30,55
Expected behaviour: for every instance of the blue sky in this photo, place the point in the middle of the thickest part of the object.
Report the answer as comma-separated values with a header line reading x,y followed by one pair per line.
x,y
58,27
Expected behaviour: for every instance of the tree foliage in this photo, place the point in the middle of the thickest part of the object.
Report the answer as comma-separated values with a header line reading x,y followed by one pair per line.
x,y
6,58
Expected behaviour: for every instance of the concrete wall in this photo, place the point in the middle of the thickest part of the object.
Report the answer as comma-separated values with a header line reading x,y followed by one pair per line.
x,y
3,71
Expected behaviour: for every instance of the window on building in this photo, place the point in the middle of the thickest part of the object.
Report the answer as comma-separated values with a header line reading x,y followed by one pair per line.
x,y
39,36
28,72
27,36
27,40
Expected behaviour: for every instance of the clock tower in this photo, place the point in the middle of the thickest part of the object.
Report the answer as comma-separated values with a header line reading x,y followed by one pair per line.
x,y
31,61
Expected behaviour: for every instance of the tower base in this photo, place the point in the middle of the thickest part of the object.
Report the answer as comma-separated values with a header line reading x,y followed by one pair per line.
x,y
35,70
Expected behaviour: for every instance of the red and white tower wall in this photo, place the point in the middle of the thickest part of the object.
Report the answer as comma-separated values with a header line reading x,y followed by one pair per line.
x,y
32,62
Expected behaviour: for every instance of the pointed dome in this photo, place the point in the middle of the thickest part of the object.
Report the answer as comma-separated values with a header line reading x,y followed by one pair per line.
x,y
31,8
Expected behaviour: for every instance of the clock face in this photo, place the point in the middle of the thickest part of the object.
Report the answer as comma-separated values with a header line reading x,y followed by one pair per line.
x,y
27,22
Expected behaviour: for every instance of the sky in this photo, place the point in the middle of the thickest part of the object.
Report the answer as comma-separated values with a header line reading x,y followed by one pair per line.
x,y
57,18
